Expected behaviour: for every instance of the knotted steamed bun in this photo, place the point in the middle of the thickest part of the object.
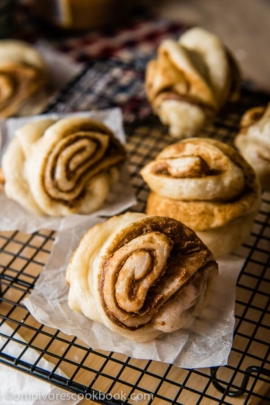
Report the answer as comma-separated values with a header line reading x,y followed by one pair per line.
x,y
23,77
57,168
141,275
190,81
253,142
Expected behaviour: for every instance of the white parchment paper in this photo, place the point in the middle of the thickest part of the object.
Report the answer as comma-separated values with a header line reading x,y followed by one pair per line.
x,y
207,343
62,69
15,217
19,388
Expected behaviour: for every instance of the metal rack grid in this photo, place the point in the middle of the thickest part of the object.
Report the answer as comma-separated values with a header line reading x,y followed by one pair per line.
x,y
90,372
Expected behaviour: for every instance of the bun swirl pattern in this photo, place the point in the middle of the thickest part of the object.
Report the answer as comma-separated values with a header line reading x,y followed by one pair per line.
x,y
207,185
190,81
196,169
22,75
64,167
141,276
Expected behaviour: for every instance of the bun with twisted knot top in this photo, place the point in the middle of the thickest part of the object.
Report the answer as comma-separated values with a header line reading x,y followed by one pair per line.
x,y
141,276
57,168
190,81
23,77
207,185
253,142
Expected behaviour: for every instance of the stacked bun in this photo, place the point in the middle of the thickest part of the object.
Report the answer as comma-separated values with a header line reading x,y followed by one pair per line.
x,y
208,186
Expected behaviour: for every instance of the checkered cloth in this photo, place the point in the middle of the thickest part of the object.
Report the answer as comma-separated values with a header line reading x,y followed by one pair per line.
x,y
115,60
137,40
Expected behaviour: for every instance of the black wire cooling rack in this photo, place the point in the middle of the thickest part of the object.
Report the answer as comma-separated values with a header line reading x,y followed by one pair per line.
x,y
111,378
